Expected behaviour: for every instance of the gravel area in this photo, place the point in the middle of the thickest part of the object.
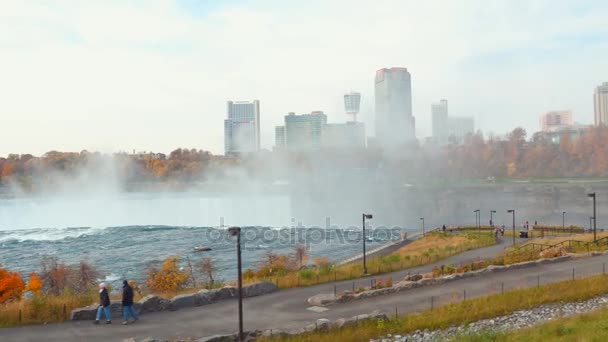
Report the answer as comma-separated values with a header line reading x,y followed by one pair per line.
x,y
516,320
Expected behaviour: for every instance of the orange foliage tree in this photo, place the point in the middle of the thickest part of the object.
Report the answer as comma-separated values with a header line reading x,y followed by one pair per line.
x,y
167,278
34,284
11,286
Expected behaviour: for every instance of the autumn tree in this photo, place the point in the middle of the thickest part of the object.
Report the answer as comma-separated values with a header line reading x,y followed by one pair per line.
x,y
54,274
206,267
300,255
34,284
168,278
11,286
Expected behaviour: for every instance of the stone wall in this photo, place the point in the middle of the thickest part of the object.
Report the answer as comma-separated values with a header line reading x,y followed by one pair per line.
x,y
153,303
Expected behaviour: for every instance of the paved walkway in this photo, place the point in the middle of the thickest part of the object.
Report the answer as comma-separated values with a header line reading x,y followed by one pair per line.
x,y
289,309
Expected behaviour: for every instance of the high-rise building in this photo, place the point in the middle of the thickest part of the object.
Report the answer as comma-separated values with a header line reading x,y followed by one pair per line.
x,y
395,123
600,104
279,137
344,135
555,120
304,132
242,127
439,116
352,103
449,130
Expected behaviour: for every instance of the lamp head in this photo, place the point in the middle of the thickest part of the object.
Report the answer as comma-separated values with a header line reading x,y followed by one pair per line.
x,y
511,211
368,216
591,194
234,231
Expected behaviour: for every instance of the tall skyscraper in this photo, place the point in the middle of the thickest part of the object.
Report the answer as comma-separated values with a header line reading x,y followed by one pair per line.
x,y
242,127
449,130
439,116
352,103
600,104
395,123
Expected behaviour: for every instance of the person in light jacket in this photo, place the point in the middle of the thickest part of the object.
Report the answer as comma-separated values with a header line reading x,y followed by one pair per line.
x,y
104,304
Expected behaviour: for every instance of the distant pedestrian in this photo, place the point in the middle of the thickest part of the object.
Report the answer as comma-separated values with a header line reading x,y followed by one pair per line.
x,y
104,304
127,303
443,228
502,230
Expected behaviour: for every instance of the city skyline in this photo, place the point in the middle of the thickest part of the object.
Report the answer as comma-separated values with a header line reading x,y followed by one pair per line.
x,y
166,69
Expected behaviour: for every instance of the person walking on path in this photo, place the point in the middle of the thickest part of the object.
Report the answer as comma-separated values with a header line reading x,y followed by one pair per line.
x,y
104,304
127,303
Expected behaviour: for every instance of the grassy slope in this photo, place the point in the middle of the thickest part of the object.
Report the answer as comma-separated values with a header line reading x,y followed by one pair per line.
x,y
465,312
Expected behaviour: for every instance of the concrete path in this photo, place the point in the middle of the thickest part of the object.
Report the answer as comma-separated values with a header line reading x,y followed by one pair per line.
x,y
289,309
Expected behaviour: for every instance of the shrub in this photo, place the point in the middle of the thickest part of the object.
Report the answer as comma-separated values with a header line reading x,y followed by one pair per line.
x,y
34,284
169,278
306,273
11,286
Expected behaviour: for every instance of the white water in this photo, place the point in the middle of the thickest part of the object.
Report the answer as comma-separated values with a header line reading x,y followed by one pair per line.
x,y
57,218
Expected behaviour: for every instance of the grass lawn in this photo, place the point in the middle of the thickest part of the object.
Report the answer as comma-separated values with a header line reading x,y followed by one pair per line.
x,y
591,326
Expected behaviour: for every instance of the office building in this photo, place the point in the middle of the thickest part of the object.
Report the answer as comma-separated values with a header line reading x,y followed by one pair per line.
x,y
395,123
555,120
449,130
303,132
242,127
279,137
344,135
439,117
600,104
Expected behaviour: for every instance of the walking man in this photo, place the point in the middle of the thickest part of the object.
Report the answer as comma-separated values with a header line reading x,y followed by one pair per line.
x,y
127,303
104,304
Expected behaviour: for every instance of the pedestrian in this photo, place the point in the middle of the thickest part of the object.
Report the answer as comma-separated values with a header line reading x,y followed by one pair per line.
x,y
127,303
104,304
443,228
502,230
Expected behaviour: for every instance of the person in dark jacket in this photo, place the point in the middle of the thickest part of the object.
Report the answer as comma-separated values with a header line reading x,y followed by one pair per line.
x,y
104,304
127,303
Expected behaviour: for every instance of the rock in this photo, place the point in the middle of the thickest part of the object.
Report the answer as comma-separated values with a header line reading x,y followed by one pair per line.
x,y
323,324
153,303
258,289
84,314
324,299
131,339
218,338
185,301
227,292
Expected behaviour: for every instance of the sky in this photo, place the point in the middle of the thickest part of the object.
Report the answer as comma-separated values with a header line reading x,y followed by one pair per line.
x,y
153,75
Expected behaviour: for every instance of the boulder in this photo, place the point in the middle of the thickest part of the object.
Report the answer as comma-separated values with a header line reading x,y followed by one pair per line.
x,y
153,303
324,299
218,338
227,292
184,301
323,324
84,314
258,289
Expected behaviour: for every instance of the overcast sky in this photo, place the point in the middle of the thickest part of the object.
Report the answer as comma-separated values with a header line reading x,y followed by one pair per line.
x,y
156,75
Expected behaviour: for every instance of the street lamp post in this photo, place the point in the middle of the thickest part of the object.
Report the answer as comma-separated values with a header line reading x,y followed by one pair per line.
x,y
592,195
564,221
423,233
491,222
513,212
365,216
478,219
236,231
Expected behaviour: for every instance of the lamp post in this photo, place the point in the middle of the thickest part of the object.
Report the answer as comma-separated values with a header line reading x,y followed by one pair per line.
x,y
592,195
365,216
236,231
513,212
478,219
491,222
422,218
564,221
